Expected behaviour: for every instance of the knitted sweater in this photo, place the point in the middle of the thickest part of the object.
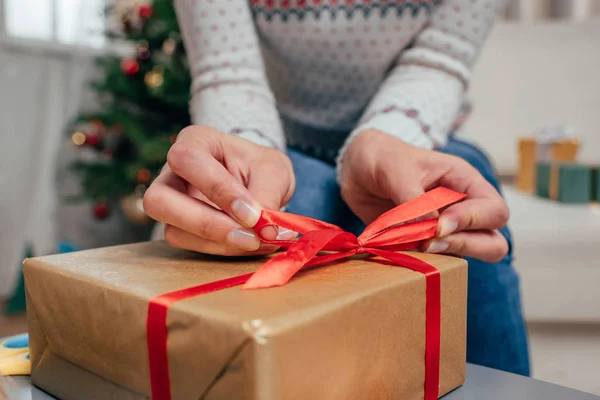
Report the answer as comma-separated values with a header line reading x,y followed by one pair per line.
x,y
305,69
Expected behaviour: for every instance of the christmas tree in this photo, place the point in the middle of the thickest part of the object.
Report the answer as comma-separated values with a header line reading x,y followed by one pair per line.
x,y
143,105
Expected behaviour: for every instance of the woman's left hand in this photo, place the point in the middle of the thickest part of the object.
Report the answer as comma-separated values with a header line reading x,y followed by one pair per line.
x,y
380,171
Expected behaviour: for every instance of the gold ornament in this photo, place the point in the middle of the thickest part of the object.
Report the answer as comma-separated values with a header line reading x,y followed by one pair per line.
x,y
78,138
155,78
169,46
133,208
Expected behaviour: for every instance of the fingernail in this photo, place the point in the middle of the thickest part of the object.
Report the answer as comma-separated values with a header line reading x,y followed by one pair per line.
x,y
269,232
243,239
437,246
286,234
245,213
446,227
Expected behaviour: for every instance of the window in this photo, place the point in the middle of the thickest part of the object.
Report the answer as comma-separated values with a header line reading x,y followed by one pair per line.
x,y
70,22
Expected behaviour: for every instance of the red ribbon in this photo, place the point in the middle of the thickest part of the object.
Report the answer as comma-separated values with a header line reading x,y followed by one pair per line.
x,y
384,237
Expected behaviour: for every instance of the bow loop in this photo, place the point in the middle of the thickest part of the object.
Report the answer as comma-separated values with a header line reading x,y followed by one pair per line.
x,y
418,207
410,234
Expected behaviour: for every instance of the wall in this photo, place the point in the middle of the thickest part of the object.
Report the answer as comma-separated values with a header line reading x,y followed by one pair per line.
x,y
39,91
531,75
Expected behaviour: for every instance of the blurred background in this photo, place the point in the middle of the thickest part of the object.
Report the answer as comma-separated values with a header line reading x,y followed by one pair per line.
x,y
86,119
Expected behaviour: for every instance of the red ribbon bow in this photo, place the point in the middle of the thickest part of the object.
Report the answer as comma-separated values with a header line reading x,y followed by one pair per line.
x,y
384,237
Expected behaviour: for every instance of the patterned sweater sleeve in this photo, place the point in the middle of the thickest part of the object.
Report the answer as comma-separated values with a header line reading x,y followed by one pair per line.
x,y
423,93
230,91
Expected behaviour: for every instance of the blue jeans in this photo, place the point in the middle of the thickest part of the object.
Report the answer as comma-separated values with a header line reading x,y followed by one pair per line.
x,y
496,331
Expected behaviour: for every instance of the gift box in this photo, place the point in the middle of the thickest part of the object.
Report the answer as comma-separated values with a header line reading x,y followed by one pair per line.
x,y
147,320
355,329
551,145
565,182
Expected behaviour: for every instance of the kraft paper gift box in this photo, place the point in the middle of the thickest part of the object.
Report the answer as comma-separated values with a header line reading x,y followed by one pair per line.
x,y
351,330
550,146
565,182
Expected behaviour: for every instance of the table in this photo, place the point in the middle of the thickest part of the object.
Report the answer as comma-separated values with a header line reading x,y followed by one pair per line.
x,y
482,383
547,235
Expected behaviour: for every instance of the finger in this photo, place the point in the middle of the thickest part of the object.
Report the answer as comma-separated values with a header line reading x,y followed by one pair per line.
x,y
181,239
473,214
484,208
272,191
403,184
195,158
277,233
269,188
485,245
163,202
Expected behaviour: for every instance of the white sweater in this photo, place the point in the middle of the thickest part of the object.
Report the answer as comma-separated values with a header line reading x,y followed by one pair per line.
x,y
327,66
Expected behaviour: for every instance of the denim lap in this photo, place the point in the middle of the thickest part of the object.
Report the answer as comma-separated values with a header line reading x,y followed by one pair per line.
x,y
496,332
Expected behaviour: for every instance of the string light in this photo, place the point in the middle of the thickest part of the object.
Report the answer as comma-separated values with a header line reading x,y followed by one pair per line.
x,y
155,78
169,46
78,138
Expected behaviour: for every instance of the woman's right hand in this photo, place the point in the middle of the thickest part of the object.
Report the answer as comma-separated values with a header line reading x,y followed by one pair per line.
x,y
212,189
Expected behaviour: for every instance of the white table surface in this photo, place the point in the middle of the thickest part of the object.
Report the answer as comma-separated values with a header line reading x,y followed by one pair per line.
x,y
556,255
482,383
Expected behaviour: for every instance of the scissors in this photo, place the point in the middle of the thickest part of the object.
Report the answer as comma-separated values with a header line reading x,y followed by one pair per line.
x,y
14,356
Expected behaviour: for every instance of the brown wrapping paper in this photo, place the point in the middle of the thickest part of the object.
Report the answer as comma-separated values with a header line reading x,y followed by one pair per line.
x,y
353,330
531,151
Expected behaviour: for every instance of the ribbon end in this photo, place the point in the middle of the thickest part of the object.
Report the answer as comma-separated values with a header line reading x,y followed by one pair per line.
x,y
260,283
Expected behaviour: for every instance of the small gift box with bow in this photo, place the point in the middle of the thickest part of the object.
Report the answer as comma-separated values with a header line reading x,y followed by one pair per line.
x,y
565,182
369,321
552,144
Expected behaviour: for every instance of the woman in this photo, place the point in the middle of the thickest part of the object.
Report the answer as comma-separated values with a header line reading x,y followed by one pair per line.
x,y
340,110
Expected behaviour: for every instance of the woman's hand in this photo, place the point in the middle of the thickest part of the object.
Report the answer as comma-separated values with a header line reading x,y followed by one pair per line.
x,y
380,171
212,190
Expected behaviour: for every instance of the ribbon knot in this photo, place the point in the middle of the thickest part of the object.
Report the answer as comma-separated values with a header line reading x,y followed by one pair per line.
x,y
360,249
384,237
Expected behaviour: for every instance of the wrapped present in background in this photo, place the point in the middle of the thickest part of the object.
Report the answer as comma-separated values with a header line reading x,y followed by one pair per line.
x,y
552,144
565,182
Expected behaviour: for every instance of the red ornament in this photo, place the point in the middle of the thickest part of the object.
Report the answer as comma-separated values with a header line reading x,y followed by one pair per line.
x,y
101,210
93,139
145,11
130,66
143,175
